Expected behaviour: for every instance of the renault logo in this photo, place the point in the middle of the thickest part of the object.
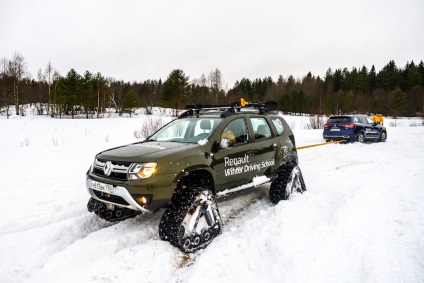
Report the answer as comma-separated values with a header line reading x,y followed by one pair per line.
x,y
107,169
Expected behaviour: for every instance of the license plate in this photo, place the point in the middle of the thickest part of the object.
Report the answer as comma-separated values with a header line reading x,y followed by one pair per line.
x,y
335,129
106,188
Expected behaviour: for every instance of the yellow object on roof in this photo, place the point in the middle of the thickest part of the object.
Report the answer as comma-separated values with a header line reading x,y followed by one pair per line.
x,y
243,102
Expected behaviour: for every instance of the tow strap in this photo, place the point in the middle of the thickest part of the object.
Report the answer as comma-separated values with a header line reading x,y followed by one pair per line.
x,y
318,144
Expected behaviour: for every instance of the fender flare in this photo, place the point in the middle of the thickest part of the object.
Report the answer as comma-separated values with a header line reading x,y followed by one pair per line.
x,y
290,158
202,169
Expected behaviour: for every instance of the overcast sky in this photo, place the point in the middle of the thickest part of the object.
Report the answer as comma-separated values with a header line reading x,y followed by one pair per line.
x,y
139,40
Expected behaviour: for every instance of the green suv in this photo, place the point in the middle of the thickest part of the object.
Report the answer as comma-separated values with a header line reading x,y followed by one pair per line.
x,y
206,153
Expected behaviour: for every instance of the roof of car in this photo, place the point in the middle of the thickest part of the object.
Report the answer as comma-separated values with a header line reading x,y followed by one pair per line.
x,y
347,115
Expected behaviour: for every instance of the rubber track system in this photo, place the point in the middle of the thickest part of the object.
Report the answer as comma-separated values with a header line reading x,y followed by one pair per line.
x,y
117,214
277,189
171,229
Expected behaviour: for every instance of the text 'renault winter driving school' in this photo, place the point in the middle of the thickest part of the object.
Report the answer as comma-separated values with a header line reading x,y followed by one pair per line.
x,y
242,164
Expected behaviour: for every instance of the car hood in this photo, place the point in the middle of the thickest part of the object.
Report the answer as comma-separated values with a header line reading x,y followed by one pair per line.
x,y
145,151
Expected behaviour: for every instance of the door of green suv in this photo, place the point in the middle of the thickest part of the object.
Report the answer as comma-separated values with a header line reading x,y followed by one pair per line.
x,y
265,144
235,156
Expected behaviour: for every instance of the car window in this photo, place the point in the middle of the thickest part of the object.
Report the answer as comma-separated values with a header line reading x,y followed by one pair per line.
x,y
188,130
356,120
261,129
235,133
339,119
362,120
369,120
278,125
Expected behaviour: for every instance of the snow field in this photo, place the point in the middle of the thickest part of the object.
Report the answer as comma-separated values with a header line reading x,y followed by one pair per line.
x,y
361,220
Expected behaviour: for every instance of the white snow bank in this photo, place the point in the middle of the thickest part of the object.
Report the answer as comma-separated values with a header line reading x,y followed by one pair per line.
x,y
361,220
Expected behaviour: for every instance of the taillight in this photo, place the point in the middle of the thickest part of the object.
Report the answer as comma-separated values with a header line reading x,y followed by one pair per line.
x,y
326,126
348,126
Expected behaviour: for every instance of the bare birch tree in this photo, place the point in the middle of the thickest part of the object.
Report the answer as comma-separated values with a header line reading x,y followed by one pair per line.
x,y
41,81
215,79
203,82
17,70
48,73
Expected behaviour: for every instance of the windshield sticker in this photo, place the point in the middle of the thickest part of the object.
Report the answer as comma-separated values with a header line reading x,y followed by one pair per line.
x,y
279,123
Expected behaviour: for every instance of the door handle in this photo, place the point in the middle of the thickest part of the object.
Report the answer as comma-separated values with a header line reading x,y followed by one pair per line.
x,y
274,146
251,153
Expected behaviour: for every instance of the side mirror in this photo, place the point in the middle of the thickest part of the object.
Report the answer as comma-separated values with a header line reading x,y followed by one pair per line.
x,y
216,146
226,143
223,144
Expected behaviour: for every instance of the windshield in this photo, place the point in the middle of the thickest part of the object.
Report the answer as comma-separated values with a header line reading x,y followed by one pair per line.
x,y
187,130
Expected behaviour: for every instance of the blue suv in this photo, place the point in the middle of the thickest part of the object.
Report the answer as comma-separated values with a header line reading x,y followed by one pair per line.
x,y
359,128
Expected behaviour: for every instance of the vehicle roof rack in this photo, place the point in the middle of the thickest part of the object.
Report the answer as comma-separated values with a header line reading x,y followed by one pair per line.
x,y
231,109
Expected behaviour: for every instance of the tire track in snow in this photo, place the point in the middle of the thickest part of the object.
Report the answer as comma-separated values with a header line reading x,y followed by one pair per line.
x,y
33,247
122,242
125,242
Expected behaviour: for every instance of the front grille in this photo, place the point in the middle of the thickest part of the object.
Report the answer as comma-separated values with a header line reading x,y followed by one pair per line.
x,y
110,198
113,175
119,169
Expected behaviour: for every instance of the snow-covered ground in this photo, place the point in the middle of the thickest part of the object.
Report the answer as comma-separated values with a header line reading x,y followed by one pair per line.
x,y
361,220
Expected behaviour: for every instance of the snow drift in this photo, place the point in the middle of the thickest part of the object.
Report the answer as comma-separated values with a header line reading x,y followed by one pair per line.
x,y
361,220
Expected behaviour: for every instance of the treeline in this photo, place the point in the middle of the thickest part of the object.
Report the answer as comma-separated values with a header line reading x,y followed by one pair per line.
x,y
392,91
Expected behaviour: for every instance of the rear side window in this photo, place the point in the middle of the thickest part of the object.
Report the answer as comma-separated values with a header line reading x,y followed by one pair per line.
x,y
362,120
261,128
369,120
278,124
339,119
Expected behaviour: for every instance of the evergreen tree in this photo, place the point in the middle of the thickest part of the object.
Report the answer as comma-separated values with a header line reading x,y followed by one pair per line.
x,y
397,103
412,77
130,102
421,69
347,102
284,104
345,84
176,90
338,79
362,81
372,79
388,78
72,93
246,88
329,82
87,93
290,84
59,95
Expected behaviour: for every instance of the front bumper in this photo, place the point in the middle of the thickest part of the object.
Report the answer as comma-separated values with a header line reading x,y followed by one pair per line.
x,y
120,192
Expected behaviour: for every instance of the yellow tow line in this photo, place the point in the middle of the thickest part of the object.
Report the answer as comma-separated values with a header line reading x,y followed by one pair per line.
x,y
318,144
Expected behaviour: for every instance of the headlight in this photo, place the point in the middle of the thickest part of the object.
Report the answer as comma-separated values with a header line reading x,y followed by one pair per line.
x,y
141,170
92,165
